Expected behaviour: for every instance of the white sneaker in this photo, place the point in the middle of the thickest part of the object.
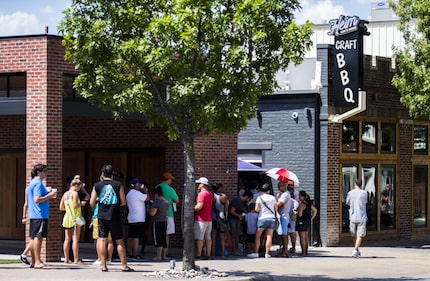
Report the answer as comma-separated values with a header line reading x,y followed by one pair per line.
x,y
253,255
355,254
267,256
97,262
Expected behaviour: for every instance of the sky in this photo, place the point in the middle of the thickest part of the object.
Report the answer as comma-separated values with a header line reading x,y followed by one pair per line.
x,y
28,17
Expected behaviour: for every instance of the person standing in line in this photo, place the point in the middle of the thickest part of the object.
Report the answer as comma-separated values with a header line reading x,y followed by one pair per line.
x,y
266,207
305,215
357,200
97,241
237,208
110,196
24,220
220,212
172,197
292,226
251,219
158,212
284,205
136,198
71,204
203,218
38,211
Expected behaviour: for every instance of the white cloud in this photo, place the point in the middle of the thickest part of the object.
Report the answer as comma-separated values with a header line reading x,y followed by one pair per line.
x,y
19,23
47,10
319,11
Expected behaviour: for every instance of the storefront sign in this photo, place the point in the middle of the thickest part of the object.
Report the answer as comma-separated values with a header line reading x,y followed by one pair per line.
x,y
348,52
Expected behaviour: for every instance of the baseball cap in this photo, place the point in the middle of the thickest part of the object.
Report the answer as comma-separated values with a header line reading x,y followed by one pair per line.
x,y
134,182
203,180
168,176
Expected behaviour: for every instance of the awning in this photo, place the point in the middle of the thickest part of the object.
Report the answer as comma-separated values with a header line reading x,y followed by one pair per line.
x,y
243,166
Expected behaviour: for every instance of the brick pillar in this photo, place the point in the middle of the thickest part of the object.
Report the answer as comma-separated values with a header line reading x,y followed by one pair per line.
x,y
44,139
405,180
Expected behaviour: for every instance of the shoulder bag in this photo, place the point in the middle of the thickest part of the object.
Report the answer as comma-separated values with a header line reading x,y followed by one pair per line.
x,y
272,211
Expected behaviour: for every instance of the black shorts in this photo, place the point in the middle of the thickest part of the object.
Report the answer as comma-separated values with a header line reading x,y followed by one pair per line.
x,y
136,230
114,227
250,238
38,228
303,225
159,232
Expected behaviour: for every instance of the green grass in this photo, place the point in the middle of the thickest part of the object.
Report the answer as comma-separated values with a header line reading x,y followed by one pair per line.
x,y
9,261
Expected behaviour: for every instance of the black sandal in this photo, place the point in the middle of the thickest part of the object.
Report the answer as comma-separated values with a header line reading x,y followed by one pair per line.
x,y
128,269
105,270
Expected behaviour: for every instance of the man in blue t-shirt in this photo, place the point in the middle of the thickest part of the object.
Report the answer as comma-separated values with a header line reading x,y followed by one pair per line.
x,y
38,211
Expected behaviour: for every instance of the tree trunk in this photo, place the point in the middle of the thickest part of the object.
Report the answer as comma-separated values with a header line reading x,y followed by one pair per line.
x,y
188,207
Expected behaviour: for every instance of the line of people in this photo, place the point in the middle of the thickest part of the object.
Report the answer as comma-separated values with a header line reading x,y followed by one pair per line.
x,y
247,218
251,219
107,199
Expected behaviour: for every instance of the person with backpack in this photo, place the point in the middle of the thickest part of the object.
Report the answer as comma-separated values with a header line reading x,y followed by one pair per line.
x,y
110,195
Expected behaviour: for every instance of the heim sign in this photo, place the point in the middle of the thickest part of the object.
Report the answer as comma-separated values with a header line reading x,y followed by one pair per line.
x,y
348,59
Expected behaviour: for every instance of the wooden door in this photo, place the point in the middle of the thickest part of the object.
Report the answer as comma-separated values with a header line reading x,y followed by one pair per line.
x,y
147,165
12,190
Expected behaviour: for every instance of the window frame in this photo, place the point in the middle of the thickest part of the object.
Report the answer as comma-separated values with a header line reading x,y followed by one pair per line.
x,y
8,90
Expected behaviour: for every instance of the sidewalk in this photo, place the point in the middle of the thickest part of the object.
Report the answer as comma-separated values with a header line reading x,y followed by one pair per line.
x,y
409,261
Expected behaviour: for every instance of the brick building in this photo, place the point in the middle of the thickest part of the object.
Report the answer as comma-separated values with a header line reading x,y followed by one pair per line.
x,y
44,121
382,145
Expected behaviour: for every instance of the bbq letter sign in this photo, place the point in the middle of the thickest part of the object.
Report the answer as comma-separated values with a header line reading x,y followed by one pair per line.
x,y
348,57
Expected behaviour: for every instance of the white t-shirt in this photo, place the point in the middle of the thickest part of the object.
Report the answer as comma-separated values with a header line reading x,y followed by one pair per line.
x,y
357,200
136,206
285,198
270,201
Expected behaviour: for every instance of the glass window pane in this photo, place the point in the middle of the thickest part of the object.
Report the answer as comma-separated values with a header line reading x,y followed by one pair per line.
x,y
68,91
350,137
420,139
17,86
388,196
388,138
3,86
369,133
349,174
369,177
420,196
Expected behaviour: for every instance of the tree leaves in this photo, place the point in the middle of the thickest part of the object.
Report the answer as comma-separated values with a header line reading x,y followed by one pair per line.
x,y
413,60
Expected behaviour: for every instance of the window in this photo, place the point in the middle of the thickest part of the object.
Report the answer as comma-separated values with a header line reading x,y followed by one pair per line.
x,y
369,137
349,174
369,177
373,137
69,91
350,137
387,199
13,85
388,138
420,190
420,139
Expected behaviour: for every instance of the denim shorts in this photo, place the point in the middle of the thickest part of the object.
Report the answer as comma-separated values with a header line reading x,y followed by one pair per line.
x,y
266,223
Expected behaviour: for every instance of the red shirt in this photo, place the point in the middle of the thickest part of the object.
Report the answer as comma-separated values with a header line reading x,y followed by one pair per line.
x,y
205,213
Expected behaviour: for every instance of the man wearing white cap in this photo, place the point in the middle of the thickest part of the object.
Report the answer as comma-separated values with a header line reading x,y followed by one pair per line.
x,y
203,218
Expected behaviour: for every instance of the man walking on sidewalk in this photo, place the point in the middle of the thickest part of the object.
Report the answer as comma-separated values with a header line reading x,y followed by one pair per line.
x,y
357,200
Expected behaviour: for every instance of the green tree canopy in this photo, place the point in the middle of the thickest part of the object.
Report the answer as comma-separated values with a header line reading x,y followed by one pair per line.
x,y
413,80
193,66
